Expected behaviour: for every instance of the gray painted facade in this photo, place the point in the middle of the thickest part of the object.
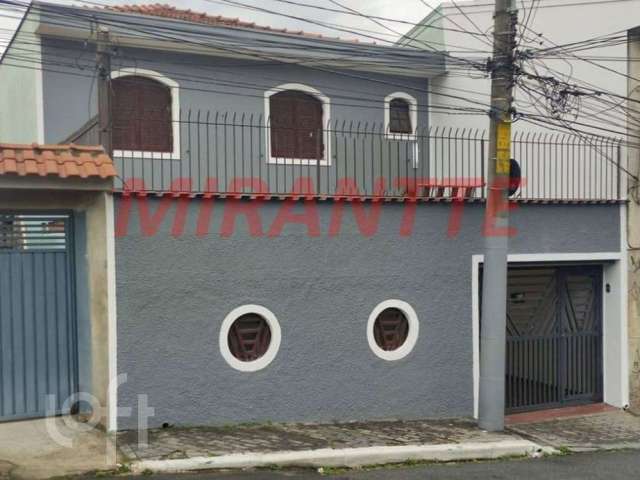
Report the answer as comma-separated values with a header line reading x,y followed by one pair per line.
x,y
213,84
222,126
174,291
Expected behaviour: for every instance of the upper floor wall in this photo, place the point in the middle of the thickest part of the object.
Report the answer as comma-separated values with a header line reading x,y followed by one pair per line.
x,y
203,125
186,116
456,27
215,85
21,87
253,113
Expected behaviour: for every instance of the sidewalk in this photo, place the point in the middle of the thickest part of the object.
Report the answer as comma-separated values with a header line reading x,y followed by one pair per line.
x,y
611,430
34,449
318,445
53,447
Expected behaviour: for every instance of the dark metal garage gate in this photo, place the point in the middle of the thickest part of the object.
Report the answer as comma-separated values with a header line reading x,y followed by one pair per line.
x,y
554,337
37,315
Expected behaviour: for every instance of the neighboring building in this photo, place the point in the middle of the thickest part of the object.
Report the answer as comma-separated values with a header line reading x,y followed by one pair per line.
x,y
551,23
297,239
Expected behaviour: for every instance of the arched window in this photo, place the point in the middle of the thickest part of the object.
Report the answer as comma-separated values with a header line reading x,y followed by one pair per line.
x,y
401,115
296,116
142,114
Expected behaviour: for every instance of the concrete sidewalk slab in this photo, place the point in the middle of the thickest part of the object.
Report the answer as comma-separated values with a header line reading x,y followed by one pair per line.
x,y
317,445
610,430
173,443
44,448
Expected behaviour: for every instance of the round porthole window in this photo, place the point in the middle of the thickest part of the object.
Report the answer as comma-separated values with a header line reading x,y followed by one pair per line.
x,y
250,338
392,330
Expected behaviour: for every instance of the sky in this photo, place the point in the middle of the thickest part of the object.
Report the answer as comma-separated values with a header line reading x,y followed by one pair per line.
x,y
404,10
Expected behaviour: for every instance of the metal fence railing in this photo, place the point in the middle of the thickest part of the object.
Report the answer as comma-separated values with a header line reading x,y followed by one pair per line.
x,y
235,154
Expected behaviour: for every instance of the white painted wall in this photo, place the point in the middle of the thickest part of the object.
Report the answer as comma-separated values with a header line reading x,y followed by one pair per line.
x,y
561,21
22,88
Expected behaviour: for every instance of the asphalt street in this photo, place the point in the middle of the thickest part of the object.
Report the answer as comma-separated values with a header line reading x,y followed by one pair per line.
x,y
616,465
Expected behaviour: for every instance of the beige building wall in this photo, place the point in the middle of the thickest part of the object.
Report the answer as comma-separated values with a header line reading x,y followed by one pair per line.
x,y
633,229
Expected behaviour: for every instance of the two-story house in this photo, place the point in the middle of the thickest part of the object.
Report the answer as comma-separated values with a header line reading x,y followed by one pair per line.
x,y
295,238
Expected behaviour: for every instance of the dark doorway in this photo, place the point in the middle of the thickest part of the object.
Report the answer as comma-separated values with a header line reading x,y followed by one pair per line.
x,y
554,337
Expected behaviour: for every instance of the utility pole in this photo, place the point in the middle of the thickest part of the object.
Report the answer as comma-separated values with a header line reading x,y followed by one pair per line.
x,y
494,285
103,65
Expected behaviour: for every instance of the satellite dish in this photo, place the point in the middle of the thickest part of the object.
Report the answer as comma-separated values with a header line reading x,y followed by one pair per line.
x,y
515,177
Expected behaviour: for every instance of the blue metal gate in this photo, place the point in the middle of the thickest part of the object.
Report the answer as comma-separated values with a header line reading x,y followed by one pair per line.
x,y
38,354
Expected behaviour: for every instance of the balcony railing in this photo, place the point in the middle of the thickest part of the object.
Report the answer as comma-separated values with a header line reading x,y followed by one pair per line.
x,y
231,155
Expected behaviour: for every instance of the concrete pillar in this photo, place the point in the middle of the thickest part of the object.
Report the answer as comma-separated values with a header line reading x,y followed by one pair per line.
x,y
633,224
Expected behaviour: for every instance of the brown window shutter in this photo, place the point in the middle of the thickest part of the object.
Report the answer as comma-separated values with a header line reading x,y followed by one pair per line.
x,y
296,125
124,116
283,133
399,116
141,114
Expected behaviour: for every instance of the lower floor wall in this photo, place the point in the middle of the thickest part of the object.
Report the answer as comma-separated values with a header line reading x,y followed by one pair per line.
x,y
320,269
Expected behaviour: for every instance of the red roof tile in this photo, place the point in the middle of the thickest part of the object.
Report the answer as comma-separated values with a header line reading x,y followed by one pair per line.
x,y
60,160
167,11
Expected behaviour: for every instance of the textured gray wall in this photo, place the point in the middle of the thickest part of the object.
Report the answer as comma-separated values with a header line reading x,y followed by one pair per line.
x,y
174,292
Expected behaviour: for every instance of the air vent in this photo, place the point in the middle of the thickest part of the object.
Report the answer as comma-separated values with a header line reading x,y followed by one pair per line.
x,y
391,329
249,337
33,232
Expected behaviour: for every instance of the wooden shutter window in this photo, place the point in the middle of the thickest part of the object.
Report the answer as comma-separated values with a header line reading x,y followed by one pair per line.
x,y
296,126
141,115
391,329
400,116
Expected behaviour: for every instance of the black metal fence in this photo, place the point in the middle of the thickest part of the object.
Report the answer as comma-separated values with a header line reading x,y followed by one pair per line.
x,y
231,154
551,370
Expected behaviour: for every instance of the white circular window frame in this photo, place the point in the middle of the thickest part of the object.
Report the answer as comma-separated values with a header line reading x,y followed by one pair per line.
x,y
412,336
274,346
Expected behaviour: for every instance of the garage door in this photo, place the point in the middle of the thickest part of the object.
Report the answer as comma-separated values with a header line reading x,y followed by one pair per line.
x,y
38,361
554,337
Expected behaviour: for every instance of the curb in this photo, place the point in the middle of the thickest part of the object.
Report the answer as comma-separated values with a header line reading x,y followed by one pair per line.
x,y
346,457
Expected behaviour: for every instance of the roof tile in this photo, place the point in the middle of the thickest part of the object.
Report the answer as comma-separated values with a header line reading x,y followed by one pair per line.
x,y
168,11
60,160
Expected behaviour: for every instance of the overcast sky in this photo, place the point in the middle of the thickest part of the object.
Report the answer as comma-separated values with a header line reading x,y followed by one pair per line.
x,y
406,10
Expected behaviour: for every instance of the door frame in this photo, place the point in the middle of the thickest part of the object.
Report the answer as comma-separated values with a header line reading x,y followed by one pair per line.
x,y
614,317
94,241
71,294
